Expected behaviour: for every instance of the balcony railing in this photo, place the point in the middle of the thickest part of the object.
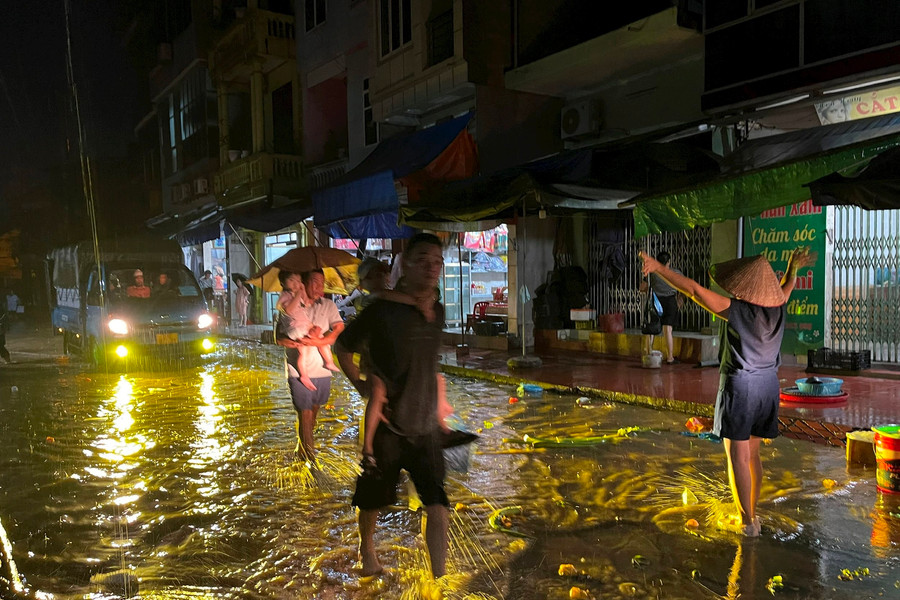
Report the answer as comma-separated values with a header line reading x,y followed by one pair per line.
x,y
248,178
262,35
320,176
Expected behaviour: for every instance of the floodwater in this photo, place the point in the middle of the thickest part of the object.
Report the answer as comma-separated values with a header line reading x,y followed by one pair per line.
x,y
184,484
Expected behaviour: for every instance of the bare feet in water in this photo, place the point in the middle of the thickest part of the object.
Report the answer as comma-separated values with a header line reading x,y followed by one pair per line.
x,y
370,564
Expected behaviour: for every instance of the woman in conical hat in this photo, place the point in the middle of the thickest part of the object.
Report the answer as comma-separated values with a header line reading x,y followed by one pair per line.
x,y
749,356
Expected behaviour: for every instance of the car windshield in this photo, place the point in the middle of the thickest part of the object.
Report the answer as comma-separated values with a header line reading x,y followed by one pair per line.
x,y
149,281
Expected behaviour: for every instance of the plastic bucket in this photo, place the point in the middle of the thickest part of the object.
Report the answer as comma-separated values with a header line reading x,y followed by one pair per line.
x,y
887,458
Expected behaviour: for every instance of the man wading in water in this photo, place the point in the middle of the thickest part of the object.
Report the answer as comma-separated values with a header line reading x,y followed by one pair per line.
x,y
749,356
402,334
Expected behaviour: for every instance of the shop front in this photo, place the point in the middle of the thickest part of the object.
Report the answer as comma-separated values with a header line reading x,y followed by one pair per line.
x,y
474,284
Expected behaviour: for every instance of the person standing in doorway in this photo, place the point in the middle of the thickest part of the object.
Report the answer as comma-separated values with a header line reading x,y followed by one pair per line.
x,y
206,287
305,353
750,353
402,337
241,300
668,299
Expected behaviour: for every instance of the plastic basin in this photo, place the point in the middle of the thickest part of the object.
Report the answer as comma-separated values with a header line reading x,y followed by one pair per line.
x,y
820,386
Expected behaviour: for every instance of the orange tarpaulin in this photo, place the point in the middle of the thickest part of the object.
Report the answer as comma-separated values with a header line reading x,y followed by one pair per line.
x,y
458,161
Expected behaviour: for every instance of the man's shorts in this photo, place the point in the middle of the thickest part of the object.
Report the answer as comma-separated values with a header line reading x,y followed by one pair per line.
x,y
670,310
306,399
747,405
422,458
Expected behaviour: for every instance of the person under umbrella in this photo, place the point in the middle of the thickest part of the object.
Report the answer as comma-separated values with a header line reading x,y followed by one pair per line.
x,y
306,354
750,353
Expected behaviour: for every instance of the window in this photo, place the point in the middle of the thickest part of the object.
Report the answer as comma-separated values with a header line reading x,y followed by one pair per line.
x,y
440,38
396,25
192,117
172,141
368,117
315,13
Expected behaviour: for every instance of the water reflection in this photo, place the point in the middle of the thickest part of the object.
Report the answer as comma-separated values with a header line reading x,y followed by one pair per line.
x,y
185,484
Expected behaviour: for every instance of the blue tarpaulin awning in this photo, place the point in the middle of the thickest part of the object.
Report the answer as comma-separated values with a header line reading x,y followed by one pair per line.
x,y
364,202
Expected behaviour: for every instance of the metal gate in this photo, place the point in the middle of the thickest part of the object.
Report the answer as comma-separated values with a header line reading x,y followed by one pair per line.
x,y
614,290
865,275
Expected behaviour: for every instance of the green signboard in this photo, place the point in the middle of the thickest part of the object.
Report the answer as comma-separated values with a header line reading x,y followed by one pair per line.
x,y
774,234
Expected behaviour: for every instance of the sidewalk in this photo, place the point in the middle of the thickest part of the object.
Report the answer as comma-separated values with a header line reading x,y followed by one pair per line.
x,y
873,396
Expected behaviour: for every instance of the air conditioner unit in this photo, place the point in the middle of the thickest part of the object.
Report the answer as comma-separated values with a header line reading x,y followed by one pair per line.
x,y
185,192
580,119
201,186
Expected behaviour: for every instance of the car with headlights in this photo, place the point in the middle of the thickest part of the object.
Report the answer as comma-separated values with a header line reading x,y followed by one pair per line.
x,y
129,301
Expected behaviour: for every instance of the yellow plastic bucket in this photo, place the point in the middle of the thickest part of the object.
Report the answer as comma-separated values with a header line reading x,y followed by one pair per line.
x,y
887,458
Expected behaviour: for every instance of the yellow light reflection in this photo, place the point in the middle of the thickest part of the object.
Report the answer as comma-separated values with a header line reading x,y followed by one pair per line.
x,y
115,446
208,450
123,398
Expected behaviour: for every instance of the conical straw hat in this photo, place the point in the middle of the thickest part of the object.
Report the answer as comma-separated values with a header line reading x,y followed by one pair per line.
x,y
751,279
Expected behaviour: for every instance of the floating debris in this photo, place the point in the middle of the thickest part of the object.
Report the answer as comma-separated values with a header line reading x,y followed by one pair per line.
x,y
775,583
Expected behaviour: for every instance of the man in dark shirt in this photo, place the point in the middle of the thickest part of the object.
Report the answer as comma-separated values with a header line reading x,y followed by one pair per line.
x,y
401,334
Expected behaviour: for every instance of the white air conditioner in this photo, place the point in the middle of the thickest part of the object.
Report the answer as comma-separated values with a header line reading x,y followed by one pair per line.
x,y
201,186
185,192
580,119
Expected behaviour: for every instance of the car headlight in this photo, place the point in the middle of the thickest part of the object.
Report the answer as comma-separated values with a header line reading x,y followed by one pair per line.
x,y
118,326
204,321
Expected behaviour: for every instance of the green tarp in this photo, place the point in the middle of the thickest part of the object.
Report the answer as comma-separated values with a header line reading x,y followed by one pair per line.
x,y
748,194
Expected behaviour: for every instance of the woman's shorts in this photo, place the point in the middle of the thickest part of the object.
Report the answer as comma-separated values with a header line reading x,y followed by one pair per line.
x,y
747,405
670,310
420,456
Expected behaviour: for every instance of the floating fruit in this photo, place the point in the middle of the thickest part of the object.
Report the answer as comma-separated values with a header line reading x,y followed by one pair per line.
x,y
829,483
576,593
692,524
567,569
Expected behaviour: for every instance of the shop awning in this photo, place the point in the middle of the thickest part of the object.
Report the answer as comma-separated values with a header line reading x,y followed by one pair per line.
x,y
766,173
364,202
259,218
200,233
873,186
583,180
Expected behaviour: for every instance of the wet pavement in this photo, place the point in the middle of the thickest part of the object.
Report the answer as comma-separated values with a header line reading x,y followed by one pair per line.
x,y
183,483
872,396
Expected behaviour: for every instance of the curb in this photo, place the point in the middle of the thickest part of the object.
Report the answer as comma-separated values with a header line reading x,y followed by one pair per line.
x,y
682,406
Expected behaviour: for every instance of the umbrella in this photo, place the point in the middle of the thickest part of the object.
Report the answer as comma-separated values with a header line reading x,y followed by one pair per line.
x,y
339,268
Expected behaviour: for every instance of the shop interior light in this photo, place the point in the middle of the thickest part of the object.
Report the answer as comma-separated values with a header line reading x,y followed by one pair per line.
x,y
864,84
784,102
118,326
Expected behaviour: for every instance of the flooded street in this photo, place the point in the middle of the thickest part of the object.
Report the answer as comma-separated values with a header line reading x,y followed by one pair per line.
x,y
184,484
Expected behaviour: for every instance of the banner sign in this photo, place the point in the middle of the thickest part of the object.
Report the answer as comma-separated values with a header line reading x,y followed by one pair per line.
x,y
774,234
859,106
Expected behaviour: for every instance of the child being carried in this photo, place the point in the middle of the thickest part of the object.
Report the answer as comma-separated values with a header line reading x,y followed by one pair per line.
x,y
294,323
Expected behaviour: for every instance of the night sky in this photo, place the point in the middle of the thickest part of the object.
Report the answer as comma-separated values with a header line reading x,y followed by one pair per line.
x,y
37,117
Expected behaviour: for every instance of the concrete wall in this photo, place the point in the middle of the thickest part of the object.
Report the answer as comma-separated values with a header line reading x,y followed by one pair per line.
x,y
515,127
333,60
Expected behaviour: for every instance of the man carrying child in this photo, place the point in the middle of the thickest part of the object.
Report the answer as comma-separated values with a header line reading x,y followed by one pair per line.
x,y
309,323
